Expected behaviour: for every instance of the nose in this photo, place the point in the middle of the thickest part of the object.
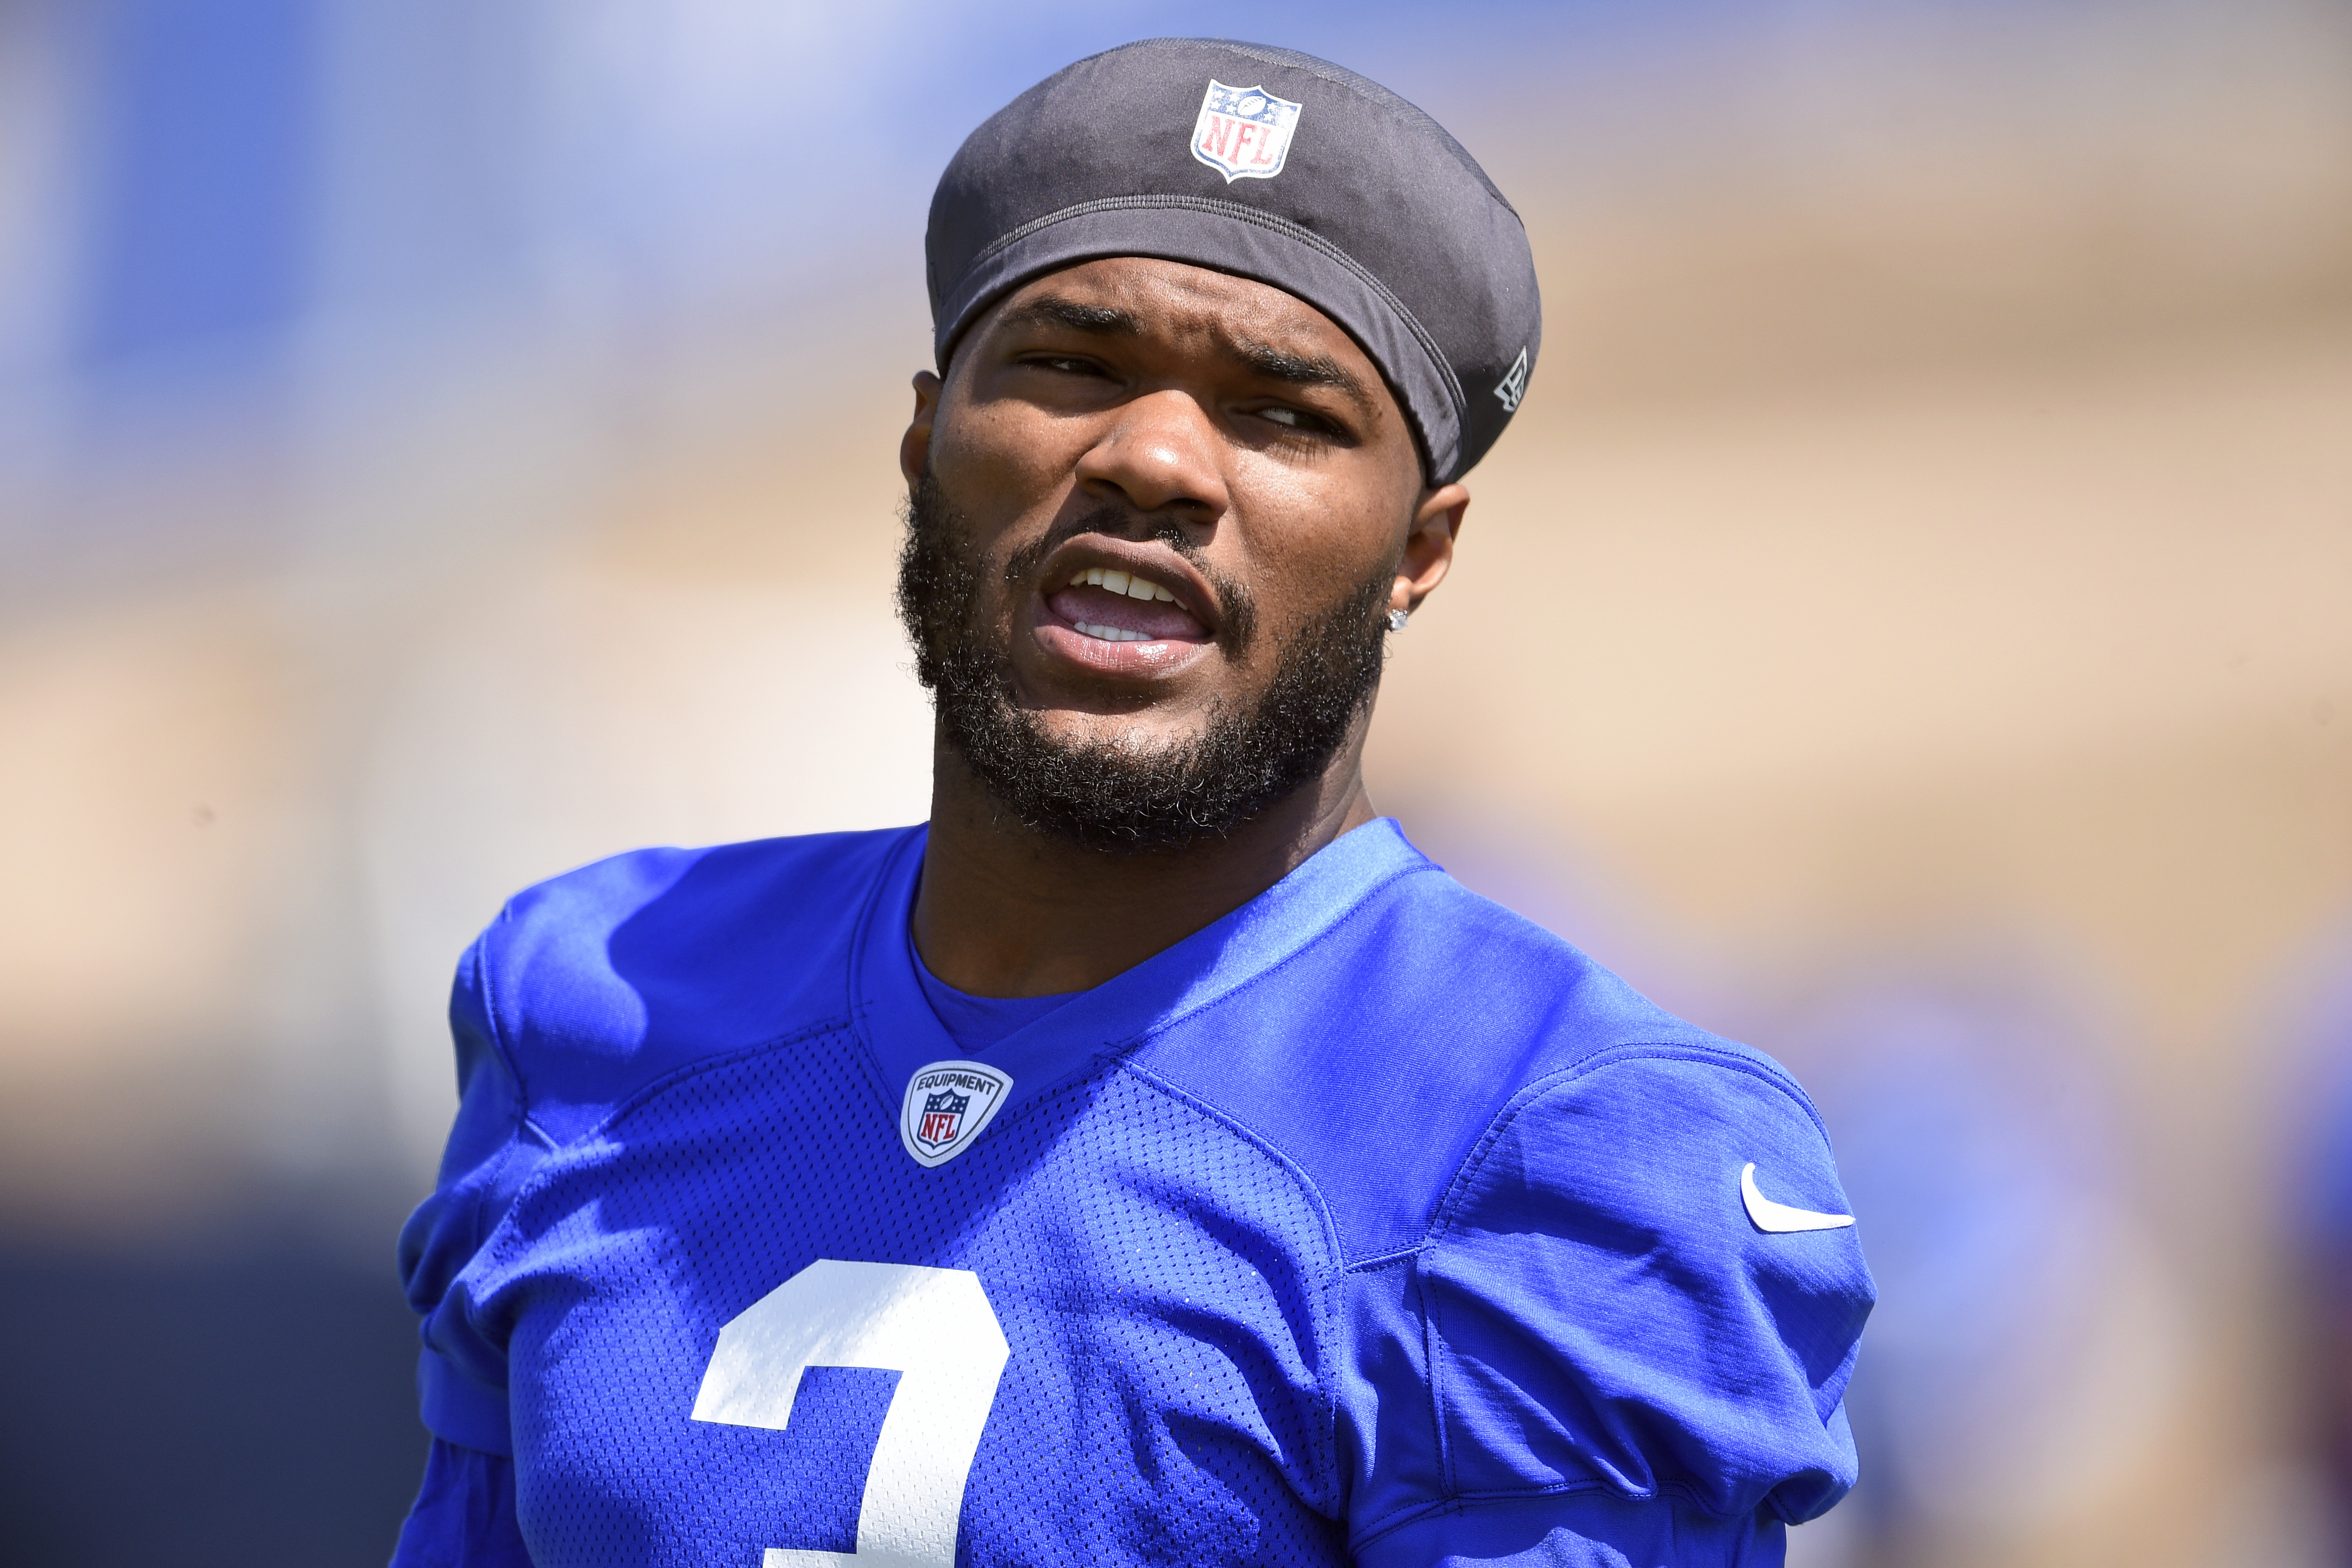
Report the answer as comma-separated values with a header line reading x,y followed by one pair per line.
x,y
1163,455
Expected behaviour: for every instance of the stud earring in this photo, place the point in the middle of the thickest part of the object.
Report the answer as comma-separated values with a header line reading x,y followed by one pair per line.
x,y
1397,619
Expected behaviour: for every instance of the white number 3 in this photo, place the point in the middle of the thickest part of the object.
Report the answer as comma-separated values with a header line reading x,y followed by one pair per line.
x,y
931,1326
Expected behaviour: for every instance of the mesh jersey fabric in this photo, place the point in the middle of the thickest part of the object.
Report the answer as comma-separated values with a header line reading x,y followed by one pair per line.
x,y
1371,1223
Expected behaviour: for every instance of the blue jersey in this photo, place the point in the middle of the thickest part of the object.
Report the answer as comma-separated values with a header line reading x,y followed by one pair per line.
x,y
1369,1223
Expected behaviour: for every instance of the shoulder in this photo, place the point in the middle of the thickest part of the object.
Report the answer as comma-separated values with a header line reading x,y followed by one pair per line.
x,y
1382,1057
596,982
1534,1177
1645,1278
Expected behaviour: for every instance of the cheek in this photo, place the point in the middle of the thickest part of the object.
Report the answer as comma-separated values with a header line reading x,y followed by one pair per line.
x,y
1312,536
1003,458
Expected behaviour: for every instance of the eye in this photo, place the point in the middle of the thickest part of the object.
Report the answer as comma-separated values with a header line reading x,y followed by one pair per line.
x,y
1299,419
1066,364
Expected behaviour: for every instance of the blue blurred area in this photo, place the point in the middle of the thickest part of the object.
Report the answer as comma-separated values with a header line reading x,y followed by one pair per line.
x,y
207,180
2315,1179
254,174
1973,1135
2318,1116
240,1401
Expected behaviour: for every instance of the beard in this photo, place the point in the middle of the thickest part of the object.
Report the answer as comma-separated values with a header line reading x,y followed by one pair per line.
x,y
1114,795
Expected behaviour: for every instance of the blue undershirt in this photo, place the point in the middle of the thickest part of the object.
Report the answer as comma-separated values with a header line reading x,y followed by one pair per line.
x,y
976,1022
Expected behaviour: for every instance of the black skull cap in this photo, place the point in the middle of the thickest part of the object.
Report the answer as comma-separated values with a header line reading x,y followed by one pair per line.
x,y
1269,164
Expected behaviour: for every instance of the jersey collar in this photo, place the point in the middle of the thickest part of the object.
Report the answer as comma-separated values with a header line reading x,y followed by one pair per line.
x,y
898,1029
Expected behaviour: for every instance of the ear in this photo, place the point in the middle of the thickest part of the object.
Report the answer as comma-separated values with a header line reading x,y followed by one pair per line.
x,y
1429,548
915,446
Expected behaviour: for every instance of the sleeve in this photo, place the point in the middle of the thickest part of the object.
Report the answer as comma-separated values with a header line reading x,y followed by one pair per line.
x,y
465,1515
1605,1353
492,1150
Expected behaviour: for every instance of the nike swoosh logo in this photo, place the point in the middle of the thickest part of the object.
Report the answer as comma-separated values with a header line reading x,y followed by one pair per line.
x,y
1778,1219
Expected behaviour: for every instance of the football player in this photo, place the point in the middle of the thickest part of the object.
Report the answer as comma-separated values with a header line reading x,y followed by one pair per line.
x,y
1153,1159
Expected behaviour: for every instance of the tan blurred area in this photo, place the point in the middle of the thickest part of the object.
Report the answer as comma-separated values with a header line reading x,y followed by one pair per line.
x,y
1961,553
1930,530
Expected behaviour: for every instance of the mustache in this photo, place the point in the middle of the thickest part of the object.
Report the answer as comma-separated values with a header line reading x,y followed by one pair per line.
x,y
1237,609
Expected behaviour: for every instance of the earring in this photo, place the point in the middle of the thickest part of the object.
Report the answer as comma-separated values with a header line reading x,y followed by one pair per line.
x,y
1397,619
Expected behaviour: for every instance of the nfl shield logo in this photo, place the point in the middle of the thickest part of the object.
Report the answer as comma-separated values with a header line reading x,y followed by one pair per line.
x,y
1244,133
948,1105
942,1114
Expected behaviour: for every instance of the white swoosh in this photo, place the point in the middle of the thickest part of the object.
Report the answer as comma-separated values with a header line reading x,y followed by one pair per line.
x,y
1780,1218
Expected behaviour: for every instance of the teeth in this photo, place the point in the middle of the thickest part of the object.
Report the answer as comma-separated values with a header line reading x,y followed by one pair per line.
x,y
1111,634
1118,582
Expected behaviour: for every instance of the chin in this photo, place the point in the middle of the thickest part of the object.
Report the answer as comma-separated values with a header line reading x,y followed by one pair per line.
x,y
1139,732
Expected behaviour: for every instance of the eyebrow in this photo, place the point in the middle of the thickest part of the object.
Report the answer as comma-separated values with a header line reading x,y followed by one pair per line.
x,y
1303,370
1059,311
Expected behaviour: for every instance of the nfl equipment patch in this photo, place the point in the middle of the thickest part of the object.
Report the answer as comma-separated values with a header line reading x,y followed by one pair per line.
x,y
1244,133
948,1105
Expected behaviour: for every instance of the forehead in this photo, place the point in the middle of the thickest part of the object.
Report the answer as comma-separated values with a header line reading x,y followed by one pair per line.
x,y
1188,308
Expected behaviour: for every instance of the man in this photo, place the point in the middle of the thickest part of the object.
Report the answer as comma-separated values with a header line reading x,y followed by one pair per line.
x,y
1154,1160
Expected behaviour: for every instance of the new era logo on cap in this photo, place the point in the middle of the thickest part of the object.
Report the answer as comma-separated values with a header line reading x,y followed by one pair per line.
x,y
1514,384
1244,133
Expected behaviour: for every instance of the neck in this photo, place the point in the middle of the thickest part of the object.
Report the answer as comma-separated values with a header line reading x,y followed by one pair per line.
x,y
1006,912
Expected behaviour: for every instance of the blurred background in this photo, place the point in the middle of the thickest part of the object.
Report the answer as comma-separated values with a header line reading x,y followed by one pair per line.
x,y
1909,627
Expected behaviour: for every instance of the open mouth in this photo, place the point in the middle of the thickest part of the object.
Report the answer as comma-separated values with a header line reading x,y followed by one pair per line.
x,y
1112,605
